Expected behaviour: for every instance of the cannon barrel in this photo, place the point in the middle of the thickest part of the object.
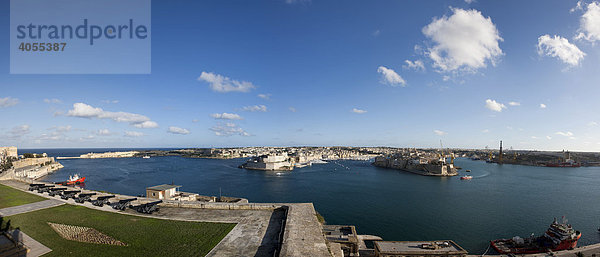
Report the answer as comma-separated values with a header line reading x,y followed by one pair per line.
x,y
122,204
154,203
35,186
83,197
69,193
44,188
148,208
101,200
55,191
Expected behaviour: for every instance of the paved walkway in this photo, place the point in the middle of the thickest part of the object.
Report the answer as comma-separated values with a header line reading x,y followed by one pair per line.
x,y
29,207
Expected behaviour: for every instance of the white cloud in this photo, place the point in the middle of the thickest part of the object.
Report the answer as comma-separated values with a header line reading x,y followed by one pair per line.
x,y
565,134
226,116
494,106
469,1
8,101
265,96
416,65
103,132
82,110
543,106
466,40
589,27
534,137
229,129
292,109
53,136
224,84
255,108
110,101
592,123
548,137
146,124
439,132
133,134
485,131
52,101
376,33
560,47
390,77
359,111
177,130
514,103
61,128
18,131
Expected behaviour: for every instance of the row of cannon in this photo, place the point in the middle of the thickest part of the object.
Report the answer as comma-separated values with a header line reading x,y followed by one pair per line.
x,y
100,201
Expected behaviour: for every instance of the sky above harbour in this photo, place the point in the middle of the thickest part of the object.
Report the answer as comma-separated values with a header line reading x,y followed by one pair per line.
x,y
357,73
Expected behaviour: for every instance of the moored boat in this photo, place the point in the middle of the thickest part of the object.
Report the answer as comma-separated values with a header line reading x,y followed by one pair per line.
x,y
73,180
466,177
560,236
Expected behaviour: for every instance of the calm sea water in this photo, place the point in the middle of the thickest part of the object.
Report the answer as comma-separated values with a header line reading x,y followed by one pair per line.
x,y
500,202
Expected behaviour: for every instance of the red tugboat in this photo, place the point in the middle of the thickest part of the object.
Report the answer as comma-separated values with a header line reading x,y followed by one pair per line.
x,y
560,236
73,180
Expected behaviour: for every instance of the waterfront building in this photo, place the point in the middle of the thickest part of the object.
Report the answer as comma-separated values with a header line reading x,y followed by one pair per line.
x,y
269,162
169,192
446,248
345,236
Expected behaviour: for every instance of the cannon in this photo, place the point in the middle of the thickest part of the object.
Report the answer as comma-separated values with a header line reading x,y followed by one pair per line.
x,y
69,194
56,191
148,208
44,188
101,200
122,204
35,186
83,197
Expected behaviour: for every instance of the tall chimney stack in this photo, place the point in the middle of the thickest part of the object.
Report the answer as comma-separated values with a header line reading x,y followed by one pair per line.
x,y
500,158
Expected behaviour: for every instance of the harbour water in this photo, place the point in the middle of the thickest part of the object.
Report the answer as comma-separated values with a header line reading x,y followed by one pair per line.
x,y
501,201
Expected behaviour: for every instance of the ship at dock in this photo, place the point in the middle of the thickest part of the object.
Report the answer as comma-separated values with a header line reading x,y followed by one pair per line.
x,y
560,236
427,164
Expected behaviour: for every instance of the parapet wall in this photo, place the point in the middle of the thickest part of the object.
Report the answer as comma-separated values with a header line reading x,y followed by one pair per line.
x,y
221,206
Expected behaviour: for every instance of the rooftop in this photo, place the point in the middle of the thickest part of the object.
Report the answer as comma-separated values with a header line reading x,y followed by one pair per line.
x,y
419,247
163,187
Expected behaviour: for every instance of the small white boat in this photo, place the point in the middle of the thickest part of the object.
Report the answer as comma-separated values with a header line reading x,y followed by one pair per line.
x,y
146,157
466,177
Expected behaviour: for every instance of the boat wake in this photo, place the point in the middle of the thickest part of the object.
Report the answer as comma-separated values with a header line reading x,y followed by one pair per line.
x,y
483,175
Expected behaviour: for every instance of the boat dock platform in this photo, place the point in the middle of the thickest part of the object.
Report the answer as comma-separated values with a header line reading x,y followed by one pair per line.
x,y
588,250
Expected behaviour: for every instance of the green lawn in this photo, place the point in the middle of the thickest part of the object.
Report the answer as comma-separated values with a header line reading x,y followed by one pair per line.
x,y
144,236
12,197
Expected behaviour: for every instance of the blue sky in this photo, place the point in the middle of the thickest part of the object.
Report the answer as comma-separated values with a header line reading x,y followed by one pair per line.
x,y
278,73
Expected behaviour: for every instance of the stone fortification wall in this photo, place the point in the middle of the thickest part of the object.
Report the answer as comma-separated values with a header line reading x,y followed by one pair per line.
x,y
31,162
